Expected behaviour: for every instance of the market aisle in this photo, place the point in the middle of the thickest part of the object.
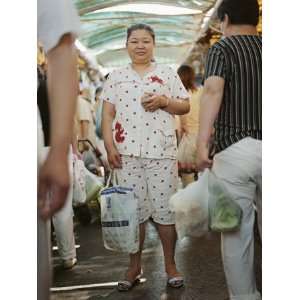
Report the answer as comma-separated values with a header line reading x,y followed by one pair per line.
x,y
198,259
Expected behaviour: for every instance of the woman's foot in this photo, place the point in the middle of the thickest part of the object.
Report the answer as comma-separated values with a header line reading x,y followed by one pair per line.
x,y
132,276
175,279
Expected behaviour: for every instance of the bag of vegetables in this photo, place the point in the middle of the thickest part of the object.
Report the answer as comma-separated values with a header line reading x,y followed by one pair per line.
x,y
224,213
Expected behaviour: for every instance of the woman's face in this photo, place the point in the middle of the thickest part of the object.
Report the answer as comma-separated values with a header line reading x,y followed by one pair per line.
x,y
140,46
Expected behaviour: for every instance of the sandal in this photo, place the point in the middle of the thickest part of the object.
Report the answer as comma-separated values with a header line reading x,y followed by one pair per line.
x,y
126,285
175,282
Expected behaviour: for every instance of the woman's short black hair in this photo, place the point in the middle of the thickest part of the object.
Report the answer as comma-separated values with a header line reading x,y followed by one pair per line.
x,y
140,26
240,12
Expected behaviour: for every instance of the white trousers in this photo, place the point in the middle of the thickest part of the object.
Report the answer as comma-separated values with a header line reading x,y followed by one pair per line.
x,y
63,226
63,220
240,168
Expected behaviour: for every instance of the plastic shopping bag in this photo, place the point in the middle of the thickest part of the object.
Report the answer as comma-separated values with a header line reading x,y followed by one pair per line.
x,y
187,149
224,213
119,218
93,184
79,192
205,205
191,208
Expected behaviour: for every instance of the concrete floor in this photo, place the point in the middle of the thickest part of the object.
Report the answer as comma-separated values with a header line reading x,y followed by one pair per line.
x,y
198,259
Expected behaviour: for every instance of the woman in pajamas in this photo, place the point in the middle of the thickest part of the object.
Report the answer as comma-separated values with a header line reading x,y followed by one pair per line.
x,y
140,101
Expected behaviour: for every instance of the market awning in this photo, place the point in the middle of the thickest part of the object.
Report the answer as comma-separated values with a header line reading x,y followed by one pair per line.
x,y
87,6
104,25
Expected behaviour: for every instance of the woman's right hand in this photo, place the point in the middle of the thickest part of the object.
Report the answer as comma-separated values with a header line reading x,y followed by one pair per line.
x,y
114,158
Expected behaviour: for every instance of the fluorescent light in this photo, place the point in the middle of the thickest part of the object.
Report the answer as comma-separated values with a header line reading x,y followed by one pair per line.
x,y
157,9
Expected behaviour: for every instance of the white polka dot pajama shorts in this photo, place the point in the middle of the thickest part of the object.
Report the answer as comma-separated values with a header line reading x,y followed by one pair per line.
x,y
154,181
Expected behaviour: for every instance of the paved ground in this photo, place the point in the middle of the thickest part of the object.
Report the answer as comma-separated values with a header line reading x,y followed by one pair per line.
x,y
198,259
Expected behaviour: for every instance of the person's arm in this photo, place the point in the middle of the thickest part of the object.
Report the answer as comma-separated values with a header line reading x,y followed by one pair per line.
x,y
84,129
62,89
54,175
172,106
108,115
75,141
177,102
210,105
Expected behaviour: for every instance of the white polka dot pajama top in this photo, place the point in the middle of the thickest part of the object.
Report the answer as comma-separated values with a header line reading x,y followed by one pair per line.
x,y
146,140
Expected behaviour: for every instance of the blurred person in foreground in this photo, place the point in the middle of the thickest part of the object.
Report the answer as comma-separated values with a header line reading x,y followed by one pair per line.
x,y
58,25
189,123
231,102
138,129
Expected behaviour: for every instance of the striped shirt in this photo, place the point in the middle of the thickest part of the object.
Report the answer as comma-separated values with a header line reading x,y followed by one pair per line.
x,y
238,60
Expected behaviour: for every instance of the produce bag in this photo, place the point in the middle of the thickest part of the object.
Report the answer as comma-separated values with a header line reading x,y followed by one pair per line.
x,y
205,205
191,208
79,192
187,149
93,184
224,213
119,218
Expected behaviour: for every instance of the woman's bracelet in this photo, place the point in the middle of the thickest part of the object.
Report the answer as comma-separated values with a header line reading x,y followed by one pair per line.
x,y
168,101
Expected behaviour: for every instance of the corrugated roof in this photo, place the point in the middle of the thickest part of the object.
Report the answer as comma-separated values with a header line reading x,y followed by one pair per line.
x,y
104,32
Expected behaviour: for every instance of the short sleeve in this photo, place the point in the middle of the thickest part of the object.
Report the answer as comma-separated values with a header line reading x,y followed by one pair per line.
x,y
177,88
83,110
109,91
215,64
55,19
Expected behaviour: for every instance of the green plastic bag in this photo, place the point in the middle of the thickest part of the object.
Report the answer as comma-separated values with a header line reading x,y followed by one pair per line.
x,y
225,214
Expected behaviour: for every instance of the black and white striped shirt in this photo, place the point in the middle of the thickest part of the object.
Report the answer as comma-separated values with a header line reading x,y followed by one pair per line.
x,y
238,60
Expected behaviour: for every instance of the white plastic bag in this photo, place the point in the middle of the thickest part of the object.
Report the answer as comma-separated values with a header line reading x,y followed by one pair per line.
x,y
191,208
119,218
187,149
205,205
93,184
79,192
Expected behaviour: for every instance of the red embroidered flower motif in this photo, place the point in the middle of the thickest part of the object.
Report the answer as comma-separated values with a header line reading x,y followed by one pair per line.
x,y
156,79
119,133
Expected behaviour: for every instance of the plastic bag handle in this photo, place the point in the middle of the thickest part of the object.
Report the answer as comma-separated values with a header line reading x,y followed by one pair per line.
x,y
112,179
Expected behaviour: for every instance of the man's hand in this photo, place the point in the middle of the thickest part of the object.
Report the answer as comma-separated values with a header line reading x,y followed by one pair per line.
x,y
202,157
53,185
114,158
187,167
153,102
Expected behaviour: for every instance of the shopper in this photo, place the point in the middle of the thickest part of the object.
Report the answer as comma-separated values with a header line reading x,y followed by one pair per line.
x,y
63,219
86,130
231,101
98,119
189,123
58,25
139,135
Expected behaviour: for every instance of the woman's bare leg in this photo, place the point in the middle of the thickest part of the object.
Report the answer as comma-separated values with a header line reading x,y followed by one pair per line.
x,y
135,264
168,237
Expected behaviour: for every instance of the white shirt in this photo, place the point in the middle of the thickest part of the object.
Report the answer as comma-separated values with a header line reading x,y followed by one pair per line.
x,y
56,18
135,131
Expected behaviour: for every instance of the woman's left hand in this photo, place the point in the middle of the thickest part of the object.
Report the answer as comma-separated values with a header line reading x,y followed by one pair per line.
x,y
154,102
